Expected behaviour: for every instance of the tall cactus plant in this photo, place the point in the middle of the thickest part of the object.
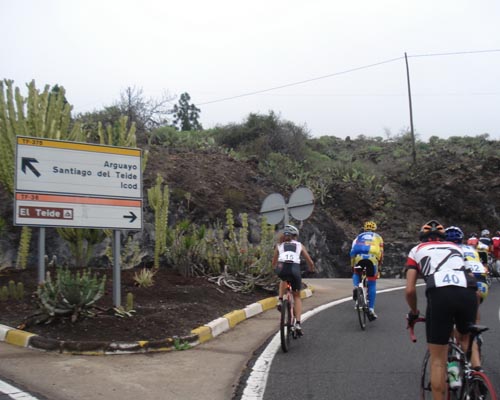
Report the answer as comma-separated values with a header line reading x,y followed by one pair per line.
x,y
159,201
44,114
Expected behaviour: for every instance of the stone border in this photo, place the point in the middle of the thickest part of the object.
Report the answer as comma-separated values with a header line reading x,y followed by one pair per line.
x,y
199,335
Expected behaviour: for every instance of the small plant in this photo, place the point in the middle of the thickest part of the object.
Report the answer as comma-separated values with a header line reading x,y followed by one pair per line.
x,y
181,345
4,293
144,278
70,294
130,302
121,312
20,290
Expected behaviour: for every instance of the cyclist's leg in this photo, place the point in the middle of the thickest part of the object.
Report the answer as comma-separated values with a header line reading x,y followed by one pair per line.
x,y
438,359
371,274
439,327
296,281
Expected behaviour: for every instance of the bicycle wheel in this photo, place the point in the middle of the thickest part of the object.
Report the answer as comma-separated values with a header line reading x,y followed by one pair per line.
x,y
285,325
425,378
479,387
360,308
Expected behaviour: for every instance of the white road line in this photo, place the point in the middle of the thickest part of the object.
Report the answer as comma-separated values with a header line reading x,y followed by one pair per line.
x,y
14,392
257,380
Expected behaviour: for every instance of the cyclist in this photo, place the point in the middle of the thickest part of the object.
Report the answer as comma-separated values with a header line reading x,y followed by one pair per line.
x,y
367,251
286,262
451,297
495,252
472,263
484,246
472,241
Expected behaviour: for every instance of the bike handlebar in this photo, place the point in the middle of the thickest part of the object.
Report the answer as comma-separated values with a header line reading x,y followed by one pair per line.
x,y
411,327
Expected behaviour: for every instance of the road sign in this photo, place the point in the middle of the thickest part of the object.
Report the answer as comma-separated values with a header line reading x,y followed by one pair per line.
x,y
301,205
53,166
72,184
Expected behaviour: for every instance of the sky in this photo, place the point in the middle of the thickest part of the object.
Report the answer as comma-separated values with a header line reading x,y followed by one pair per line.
x,y
334,67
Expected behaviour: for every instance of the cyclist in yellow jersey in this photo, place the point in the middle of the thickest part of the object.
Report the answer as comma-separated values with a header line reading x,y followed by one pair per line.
x,y
367,251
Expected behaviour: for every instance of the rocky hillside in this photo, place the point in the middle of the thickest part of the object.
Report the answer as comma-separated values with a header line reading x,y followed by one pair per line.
x,y
455,187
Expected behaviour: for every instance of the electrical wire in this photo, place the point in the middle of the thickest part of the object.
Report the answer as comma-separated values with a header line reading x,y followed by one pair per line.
x,y
345,72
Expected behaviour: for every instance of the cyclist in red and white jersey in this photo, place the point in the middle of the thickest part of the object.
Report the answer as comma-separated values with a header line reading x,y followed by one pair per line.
x,y
495,241
451,297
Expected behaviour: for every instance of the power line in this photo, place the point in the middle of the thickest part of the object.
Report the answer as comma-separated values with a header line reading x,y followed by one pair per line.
x,y
345,72
301,82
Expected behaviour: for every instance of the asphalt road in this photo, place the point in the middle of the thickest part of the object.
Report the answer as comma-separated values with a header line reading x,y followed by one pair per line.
x,y
337,360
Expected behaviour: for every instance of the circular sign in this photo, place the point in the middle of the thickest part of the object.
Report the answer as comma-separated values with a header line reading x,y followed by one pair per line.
x,y
301,204
273,208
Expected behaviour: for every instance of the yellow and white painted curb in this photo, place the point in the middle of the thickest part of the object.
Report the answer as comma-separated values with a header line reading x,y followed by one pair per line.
x,y
199,335
230,320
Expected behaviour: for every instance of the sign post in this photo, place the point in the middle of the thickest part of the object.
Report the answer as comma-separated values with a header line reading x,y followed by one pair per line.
x,y
80,185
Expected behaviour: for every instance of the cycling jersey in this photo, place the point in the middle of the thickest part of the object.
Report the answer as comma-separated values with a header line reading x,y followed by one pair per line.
x,y
473,261
368,243
441,264
495,241
289,252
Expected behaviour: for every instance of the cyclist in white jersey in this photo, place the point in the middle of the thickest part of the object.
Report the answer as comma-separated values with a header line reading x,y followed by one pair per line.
x,y
450,293
286,262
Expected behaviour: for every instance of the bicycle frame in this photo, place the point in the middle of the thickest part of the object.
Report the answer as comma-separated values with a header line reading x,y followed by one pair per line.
x,y
362,298
287,319
474,384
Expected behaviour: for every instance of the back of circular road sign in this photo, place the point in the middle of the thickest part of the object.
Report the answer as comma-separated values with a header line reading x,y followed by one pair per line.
x,y
273,208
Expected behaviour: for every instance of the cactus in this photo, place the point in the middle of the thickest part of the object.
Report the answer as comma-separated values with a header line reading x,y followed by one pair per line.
x,y
130,302
12,290
4,293
159,202
20,290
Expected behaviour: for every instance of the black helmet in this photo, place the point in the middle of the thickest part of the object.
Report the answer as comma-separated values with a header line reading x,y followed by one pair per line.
x,y
431,229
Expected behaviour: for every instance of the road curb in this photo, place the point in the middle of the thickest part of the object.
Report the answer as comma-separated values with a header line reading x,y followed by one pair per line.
x,y
198,335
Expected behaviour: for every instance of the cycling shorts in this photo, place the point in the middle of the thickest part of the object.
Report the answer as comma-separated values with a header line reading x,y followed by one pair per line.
x,y
290,272
371,269
483,256
448,306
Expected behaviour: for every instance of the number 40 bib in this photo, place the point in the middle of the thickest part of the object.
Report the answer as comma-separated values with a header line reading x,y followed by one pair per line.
x,y
450,278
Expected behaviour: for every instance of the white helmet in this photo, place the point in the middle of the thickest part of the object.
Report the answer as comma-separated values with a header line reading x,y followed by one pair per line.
x,y
485,232
290,230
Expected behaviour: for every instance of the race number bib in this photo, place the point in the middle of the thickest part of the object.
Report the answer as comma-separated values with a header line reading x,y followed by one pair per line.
x,y
450,278
289,256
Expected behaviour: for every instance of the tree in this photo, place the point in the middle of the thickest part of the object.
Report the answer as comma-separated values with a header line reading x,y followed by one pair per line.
x,y
186,115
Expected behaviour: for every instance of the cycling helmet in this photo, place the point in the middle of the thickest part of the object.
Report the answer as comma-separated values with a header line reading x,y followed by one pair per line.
x,y
431,229
485,232
454,234
473,235
370,226
290,230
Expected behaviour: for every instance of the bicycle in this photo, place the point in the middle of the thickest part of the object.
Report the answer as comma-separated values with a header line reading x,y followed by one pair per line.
x,y
362,299
472,384
493,268
287,319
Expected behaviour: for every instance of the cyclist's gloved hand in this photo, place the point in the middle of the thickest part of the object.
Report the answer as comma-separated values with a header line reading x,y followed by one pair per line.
x,y
411,318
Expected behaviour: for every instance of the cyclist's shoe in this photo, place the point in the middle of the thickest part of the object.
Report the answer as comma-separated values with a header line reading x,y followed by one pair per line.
x,y
298,330
478,369
279,305
371,315
355,294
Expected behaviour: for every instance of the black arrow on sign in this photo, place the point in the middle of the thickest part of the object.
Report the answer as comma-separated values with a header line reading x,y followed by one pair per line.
x,y
132,217
26,162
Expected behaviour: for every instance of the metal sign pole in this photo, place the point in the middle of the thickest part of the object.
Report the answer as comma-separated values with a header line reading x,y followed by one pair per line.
x,y
116,270
41,255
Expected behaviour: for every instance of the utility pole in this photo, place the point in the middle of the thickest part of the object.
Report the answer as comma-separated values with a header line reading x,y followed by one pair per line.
x,y
413,152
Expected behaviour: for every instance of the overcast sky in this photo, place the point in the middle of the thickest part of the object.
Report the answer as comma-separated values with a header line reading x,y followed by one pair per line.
x,y
218,49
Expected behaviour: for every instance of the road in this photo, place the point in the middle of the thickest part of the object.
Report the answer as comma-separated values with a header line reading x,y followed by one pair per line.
x,y
336,360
